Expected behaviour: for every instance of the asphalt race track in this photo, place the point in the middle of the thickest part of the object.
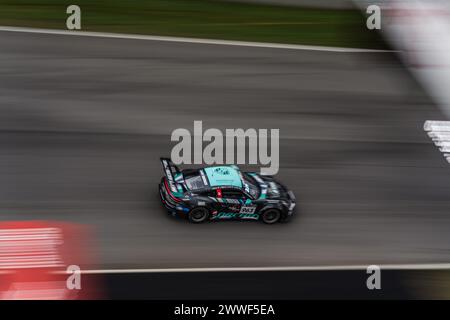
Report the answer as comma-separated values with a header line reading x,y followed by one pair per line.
x,y
84,121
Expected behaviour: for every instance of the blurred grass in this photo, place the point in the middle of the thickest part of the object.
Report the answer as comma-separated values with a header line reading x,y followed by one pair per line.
x,y
200,19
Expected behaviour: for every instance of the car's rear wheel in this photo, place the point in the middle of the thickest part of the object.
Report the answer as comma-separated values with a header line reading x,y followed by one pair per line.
x,y
271,216
198,215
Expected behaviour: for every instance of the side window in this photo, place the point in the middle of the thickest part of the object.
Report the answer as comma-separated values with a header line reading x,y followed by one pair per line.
x,y
233,194
208,193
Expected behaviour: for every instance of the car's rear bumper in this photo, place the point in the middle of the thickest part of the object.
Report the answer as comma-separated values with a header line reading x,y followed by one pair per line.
x,y
174,208
168,203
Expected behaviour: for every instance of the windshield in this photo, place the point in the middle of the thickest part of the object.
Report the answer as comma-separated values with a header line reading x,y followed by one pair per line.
x,y
251,186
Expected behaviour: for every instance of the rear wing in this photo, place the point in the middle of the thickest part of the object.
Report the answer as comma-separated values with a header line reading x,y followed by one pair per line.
x,y
170,170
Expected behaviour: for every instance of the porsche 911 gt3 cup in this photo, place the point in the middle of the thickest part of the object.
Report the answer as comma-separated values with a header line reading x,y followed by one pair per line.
x,y
224,193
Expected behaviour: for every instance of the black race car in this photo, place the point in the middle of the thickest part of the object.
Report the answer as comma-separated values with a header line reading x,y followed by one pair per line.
x,y
224,193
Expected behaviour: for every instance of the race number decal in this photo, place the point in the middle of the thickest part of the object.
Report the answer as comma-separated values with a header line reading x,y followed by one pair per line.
x,y
248,209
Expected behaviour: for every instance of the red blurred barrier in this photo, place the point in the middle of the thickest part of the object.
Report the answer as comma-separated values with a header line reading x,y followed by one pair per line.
x,y
36,255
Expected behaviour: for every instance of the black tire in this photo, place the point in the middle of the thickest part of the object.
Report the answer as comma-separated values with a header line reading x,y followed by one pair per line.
x,y
271,216
198,215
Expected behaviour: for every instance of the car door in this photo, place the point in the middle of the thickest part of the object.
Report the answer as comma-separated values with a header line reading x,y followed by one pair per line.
x,y
238,204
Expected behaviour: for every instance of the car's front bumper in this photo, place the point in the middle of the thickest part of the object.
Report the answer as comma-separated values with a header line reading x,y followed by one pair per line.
x,y
292,204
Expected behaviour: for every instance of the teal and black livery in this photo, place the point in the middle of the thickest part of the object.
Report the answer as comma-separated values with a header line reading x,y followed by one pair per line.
x,y
224,193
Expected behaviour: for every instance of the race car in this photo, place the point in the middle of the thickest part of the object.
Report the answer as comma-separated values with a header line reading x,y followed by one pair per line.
x,y
224,193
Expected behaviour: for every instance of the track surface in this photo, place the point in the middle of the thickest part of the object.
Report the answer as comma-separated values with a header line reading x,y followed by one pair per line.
x,y
84,120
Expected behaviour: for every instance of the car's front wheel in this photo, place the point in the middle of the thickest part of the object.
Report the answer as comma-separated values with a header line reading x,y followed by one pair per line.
x,y
271,216
198,215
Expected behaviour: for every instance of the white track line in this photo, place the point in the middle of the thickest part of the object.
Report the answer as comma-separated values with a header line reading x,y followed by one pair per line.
x,y
430,266
186,40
